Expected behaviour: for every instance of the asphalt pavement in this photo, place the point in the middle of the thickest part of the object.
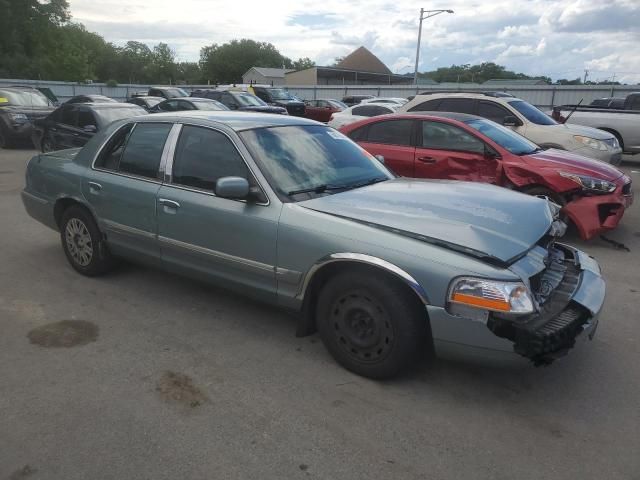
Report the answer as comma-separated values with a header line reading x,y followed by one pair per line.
x,y
159,377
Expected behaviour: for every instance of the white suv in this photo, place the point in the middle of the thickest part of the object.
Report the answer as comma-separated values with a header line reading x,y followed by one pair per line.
x,y
525,119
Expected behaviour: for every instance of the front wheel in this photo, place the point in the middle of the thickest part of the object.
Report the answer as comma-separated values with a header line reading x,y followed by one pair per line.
x,y
83,244
371,324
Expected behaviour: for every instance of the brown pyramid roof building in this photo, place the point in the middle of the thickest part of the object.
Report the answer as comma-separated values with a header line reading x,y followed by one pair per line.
x,y
364,61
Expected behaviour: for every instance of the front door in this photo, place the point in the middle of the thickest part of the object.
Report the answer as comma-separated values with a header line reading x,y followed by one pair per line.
x,y
392,139
230,242
123,185
448,152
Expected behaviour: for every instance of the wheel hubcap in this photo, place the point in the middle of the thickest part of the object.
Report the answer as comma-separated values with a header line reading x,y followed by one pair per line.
x,y
362,327
78,240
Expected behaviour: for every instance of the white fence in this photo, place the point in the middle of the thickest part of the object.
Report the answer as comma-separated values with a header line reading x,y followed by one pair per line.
x,y
543,96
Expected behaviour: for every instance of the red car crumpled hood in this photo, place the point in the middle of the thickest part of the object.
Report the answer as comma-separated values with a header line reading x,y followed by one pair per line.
x,y
573,163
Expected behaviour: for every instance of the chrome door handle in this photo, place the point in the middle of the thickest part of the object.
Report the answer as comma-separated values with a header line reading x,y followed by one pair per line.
x,y
168,203
94,187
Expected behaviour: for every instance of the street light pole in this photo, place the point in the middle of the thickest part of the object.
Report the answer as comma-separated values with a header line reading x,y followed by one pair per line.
x,y
424,14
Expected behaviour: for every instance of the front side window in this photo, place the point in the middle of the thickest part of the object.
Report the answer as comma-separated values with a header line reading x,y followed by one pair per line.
x,y
505,137
371,110
68,115
203,156
391,132
85,118
532,113
493,111
442,136
141,150
311,157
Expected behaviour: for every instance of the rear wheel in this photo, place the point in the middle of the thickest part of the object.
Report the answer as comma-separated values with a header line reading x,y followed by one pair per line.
x,y
371,324
83,244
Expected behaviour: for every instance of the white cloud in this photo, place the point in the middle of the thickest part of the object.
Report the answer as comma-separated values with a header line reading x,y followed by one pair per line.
x,y
559,38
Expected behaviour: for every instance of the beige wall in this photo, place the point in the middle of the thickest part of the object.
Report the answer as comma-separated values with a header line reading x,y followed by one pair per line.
x,y
254,77
303,77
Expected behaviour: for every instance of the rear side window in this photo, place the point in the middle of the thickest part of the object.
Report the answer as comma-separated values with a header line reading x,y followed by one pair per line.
x,y
459,105
428,106
371,110
203,156
359,134
143,149
442,136
86,117
68,115
635,103
493,111
392,132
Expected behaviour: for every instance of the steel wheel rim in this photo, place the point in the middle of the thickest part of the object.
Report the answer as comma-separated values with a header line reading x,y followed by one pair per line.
x,y
78,241
362,327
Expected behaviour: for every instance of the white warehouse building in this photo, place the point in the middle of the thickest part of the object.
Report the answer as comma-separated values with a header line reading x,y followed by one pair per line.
x,y
265,76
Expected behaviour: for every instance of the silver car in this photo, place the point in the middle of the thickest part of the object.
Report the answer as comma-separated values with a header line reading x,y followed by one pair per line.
x,y
294,213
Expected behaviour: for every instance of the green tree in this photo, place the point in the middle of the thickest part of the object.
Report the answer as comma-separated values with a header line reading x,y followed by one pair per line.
x,y
303,63
228,62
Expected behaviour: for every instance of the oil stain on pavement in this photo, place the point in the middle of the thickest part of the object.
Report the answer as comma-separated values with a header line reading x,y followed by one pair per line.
x,y
25,472
66,333
179,389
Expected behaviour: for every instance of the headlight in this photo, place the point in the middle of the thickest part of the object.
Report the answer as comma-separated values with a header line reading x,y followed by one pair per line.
x,y
589,183
18,117
591,142
492,295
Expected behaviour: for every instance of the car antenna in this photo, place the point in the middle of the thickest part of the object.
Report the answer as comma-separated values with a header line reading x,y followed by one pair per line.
x,y
575,107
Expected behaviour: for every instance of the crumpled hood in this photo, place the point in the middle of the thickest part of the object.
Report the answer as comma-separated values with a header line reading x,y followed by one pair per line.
x,y
479,219
577,164
584,131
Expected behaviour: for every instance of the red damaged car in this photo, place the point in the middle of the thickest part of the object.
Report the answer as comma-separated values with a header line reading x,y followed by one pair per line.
x,y
458,146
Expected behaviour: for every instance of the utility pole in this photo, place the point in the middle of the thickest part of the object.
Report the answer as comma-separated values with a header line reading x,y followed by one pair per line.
x,y
424,14
586,75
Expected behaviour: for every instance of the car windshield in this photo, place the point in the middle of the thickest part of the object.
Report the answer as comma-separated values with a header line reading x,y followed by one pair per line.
x,y
210,105
311,157
532,113
248,100
25,98
279,94
176,93
506,138
108,115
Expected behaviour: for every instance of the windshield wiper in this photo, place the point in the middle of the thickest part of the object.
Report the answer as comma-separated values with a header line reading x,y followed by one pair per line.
x,y
325,187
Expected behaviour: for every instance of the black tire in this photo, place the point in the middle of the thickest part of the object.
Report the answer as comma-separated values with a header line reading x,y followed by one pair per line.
x,y
371,324
47,144
83,244
5,141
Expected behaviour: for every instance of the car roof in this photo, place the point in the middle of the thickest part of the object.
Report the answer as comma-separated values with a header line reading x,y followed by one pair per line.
x,y
147,96
104,105
235,120
485,96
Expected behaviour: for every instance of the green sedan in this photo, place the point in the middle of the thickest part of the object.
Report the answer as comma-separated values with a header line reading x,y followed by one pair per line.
x,y
292,212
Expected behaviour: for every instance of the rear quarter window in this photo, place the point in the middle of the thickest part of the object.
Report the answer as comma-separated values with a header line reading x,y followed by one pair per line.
x,y
428,106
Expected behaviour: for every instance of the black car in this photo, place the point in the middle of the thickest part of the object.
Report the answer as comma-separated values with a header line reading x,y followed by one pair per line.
x,y
73,124
19,109
189,103
234,100
145,101
281,98
167,92
91,99
352,100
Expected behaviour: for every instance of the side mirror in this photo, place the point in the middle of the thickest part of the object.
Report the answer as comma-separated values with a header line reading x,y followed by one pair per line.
x,y
90,129
510,121
491,154
380,158
235,188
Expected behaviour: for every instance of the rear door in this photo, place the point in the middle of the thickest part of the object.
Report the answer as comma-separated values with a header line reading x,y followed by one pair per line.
x,y
447,151
393,140
122,186
87,126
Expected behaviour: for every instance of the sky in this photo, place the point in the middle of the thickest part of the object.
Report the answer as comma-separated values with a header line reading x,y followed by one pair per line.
x,y
556,38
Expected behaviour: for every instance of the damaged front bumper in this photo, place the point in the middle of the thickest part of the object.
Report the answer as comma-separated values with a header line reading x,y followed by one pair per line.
x,y
571,298
593,215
